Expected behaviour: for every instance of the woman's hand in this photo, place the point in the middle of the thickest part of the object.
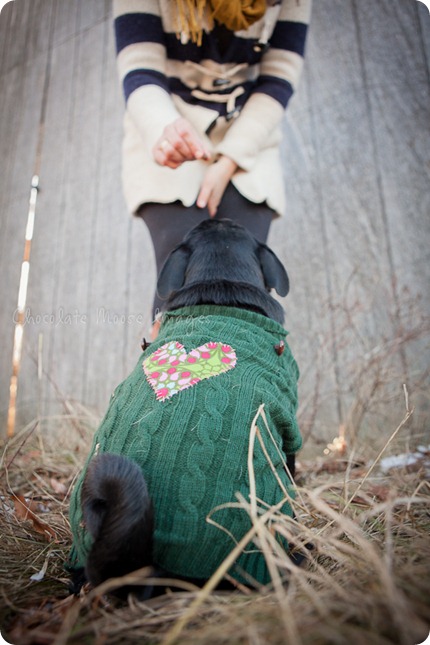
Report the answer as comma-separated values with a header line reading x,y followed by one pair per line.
x,y
179,142
214,184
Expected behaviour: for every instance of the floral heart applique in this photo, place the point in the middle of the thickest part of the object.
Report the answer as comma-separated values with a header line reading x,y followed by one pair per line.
x,y
171,369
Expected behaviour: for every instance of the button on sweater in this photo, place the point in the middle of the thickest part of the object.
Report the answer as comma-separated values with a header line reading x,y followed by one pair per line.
x,y
184,415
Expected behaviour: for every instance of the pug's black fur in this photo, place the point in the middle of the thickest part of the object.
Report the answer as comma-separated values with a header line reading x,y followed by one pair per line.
x,y
220,263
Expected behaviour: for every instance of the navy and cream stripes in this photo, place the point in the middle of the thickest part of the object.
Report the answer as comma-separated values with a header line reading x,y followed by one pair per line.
x,y
146,28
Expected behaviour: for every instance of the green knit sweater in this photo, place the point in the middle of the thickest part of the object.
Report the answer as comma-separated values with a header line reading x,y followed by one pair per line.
x,y
185,417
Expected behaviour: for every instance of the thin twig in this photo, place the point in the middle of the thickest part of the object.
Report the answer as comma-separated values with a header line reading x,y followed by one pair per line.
x,y
383,449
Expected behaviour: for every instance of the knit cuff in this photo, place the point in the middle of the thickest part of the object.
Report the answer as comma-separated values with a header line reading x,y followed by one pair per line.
x,y
254,129
151,109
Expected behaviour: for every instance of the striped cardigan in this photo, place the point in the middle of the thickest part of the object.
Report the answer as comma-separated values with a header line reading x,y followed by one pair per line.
x,y
235,98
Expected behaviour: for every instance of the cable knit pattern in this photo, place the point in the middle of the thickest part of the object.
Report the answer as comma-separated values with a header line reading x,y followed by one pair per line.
x,y
193,447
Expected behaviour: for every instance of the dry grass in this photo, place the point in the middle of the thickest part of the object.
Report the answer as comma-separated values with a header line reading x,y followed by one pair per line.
x,y
368,580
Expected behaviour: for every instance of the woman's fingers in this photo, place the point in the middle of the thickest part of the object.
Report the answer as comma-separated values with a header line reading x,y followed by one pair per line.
x,y
214,184
179,143
166,155
190,138
176,137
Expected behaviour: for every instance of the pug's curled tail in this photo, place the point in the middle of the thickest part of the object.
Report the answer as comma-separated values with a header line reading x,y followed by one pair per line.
x,y
118,514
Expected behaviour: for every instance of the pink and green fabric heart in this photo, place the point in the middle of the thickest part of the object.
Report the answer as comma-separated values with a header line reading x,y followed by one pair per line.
x,y
171,369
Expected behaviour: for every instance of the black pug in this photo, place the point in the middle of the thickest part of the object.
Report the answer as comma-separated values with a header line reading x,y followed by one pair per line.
x,y
170,458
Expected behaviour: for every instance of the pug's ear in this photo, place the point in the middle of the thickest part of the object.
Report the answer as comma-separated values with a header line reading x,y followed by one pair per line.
x,y
172,275
275,275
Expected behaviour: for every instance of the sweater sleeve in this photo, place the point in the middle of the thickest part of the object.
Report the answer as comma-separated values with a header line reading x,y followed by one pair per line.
x,y
280,71
141,62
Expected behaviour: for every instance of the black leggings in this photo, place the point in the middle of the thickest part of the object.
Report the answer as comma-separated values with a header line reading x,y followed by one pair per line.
x,y
169,223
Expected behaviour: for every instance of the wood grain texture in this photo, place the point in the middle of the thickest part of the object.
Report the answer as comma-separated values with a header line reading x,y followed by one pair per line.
x,y
355,239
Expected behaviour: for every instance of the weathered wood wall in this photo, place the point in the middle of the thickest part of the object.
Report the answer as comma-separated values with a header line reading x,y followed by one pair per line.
x,y
355,241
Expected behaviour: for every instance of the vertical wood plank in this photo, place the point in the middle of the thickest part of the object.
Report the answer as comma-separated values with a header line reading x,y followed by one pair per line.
x,y
93,12
399,107
18,15
297,240
77,252
21,101
38,33
107,306
141,287
66,21
45,315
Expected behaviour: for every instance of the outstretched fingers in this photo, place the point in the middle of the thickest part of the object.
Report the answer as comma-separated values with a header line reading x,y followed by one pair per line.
x,y
178,143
